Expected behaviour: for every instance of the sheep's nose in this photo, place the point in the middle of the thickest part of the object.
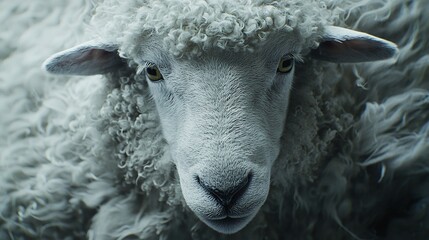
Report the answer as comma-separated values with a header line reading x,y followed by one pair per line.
x,y
226,197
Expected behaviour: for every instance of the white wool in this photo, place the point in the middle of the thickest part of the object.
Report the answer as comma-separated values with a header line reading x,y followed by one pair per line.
x,y
190,27
84,157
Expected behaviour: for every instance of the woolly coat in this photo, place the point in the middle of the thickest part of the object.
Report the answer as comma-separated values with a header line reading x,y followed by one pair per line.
x,y
84,157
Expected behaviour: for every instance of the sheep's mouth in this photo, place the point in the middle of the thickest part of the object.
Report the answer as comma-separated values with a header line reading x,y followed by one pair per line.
x,y
229,220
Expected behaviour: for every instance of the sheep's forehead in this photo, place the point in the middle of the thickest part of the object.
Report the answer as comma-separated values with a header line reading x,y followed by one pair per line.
x,y
193,26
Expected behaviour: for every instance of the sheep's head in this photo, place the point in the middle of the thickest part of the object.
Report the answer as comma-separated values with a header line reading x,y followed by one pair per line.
x,y
222,112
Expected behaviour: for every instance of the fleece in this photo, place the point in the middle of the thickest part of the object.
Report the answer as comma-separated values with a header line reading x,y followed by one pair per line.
x,y
85,158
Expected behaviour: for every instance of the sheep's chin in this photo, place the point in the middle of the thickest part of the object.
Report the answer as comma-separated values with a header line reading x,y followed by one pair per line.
x,y
228,225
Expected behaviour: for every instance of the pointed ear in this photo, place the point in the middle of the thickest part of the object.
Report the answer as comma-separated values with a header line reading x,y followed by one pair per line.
x,y
90,58
342,45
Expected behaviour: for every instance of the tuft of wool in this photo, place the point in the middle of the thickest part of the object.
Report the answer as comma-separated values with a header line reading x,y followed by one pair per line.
x,y
191,27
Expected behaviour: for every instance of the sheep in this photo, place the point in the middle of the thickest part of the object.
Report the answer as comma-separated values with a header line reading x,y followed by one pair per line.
x,y
220,117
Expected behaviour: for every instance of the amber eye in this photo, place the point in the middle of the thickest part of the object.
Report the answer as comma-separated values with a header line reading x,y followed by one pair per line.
x,y
153,73
285,65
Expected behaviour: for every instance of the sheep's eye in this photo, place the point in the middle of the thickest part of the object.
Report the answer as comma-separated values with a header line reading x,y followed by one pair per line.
x,y
285,65
153,73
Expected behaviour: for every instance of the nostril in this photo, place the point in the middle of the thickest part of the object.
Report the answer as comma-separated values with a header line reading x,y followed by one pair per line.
x,y
227,196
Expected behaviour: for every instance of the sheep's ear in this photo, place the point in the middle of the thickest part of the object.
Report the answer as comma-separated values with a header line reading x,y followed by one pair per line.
x,y
90,58
348,46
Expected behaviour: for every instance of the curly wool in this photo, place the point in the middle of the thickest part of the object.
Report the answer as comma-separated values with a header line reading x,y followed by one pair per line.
x,y
191,27
129,118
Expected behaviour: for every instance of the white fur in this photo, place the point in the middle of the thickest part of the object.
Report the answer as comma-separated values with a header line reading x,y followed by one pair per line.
x,y
102,158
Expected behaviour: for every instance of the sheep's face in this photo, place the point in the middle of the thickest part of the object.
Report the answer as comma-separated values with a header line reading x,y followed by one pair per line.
x,y
222,115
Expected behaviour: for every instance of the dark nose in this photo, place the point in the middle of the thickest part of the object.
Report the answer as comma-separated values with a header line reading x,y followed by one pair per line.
x,y
227,197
